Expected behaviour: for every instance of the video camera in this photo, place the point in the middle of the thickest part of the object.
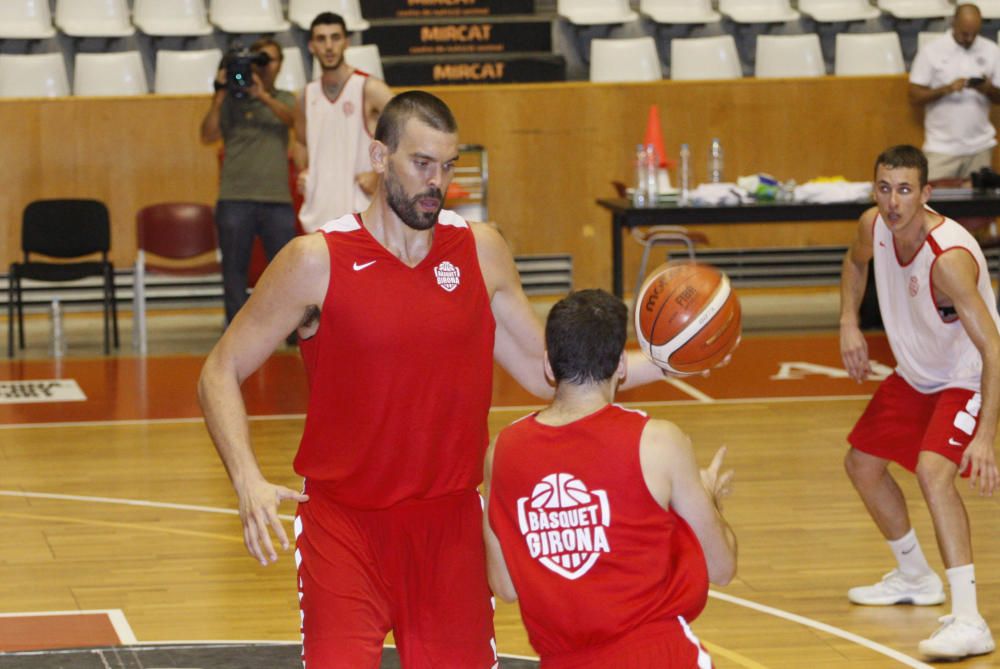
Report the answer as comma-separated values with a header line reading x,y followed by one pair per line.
x,y
239,63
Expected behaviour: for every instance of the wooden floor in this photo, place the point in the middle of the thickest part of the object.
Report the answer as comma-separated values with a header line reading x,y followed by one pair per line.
x,y
119,502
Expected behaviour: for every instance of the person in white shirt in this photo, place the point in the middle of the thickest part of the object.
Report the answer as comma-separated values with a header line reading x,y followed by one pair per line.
x,y
956,79
334,123
936,414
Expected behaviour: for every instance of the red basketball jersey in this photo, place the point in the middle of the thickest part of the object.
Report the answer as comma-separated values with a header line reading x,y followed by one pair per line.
x,y
400,370
592,555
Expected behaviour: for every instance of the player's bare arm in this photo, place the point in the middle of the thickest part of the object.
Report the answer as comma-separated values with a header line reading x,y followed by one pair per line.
x,y
954,278
300,151
853,279
496,567
674,480
292,286
520,339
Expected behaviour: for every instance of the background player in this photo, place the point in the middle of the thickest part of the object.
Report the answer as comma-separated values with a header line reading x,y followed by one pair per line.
x,y
334,122
400,310
597,517
937,413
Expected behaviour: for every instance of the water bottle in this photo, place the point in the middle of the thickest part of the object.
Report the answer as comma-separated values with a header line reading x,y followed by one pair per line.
x,y
58,340
640,196
652,187
715,162
685,176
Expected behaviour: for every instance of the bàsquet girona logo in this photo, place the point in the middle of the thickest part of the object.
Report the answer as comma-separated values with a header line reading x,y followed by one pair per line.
x,y
565,525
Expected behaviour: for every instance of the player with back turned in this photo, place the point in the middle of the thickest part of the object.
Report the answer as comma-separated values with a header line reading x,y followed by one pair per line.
x,y
598,519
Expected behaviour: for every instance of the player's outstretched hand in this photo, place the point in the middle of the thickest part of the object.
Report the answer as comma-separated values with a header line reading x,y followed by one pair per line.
x,y
718,485
259,510
980,458
854,353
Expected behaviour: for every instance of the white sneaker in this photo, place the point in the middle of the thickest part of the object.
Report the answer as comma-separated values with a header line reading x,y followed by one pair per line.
x,y
958,637
898,588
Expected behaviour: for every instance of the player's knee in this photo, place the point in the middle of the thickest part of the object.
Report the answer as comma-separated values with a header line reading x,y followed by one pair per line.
x,y
936,476
862,469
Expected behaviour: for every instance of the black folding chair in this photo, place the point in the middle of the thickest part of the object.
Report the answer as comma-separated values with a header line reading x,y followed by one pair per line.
x,y
63,229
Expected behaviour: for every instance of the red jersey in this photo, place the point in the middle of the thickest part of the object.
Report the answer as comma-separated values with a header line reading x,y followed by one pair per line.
x,y
400,370
592,555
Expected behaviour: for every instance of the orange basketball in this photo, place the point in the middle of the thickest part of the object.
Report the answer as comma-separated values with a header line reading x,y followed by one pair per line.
x,y
687,317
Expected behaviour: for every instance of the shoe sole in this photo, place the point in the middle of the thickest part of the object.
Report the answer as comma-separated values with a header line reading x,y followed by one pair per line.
x,y
920,600
956,656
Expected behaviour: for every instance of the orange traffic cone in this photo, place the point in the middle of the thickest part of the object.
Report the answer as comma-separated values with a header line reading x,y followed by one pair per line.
x,y
654,136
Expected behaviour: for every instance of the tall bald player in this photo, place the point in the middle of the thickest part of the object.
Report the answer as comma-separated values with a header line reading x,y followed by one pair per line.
x,y
401,310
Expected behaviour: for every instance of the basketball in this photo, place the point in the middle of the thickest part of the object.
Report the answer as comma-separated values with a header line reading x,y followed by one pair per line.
x,y
559,491
687,318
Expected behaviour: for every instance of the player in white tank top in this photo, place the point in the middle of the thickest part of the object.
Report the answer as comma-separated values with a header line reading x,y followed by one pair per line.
x,y
334,124
338,142
943,356
941,320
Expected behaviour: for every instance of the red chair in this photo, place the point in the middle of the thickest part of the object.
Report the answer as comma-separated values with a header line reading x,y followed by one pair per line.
x,y
173,238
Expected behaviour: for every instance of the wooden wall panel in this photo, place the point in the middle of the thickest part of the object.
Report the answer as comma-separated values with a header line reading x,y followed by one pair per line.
x,y
553,149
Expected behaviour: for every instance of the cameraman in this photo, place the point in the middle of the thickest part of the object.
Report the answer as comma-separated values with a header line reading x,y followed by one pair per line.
x,y
254,198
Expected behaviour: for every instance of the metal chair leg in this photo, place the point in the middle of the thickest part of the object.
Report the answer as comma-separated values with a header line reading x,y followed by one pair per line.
x,y
10,314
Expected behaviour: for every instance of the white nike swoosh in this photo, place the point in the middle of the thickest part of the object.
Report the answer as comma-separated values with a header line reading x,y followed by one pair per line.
x,y
954,443
358,268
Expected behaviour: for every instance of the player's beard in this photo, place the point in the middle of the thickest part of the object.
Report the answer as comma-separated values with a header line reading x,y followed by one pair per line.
x,y
406,207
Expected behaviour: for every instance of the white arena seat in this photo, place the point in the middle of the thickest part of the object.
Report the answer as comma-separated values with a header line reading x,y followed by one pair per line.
x,y
365,57
36,75
676,12
292,75
94,18
758,11
990,9
186,72
634,59
917,9
171,17
595,12
789,56
924,38
117,73
836,11
704,58
868,54
247,16
25,19
302,12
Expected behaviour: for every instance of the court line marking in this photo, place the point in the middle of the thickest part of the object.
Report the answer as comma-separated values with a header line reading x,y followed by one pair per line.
x,y
131,526
525,408
778,613
732,656
115,616
688,389
823,627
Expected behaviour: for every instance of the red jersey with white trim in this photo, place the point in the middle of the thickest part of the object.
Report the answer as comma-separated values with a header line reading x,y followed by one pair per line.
x,y
592,555
933,352
400,370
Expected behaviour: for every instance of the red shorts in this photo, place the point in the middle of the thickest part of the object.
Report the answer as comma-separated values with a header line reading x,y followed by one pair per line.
x,y
901,421
670,643
417,568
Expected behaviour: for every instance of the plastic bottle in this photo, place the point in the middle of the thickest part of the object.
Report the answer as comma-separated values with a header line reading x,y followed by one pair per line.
x,y
652,187
640,196
715,162
58,340
685,176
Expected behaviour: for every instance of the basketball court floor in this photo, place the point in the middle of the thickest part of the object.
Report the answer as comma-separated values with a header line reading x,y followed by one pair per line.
x,y
121,534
